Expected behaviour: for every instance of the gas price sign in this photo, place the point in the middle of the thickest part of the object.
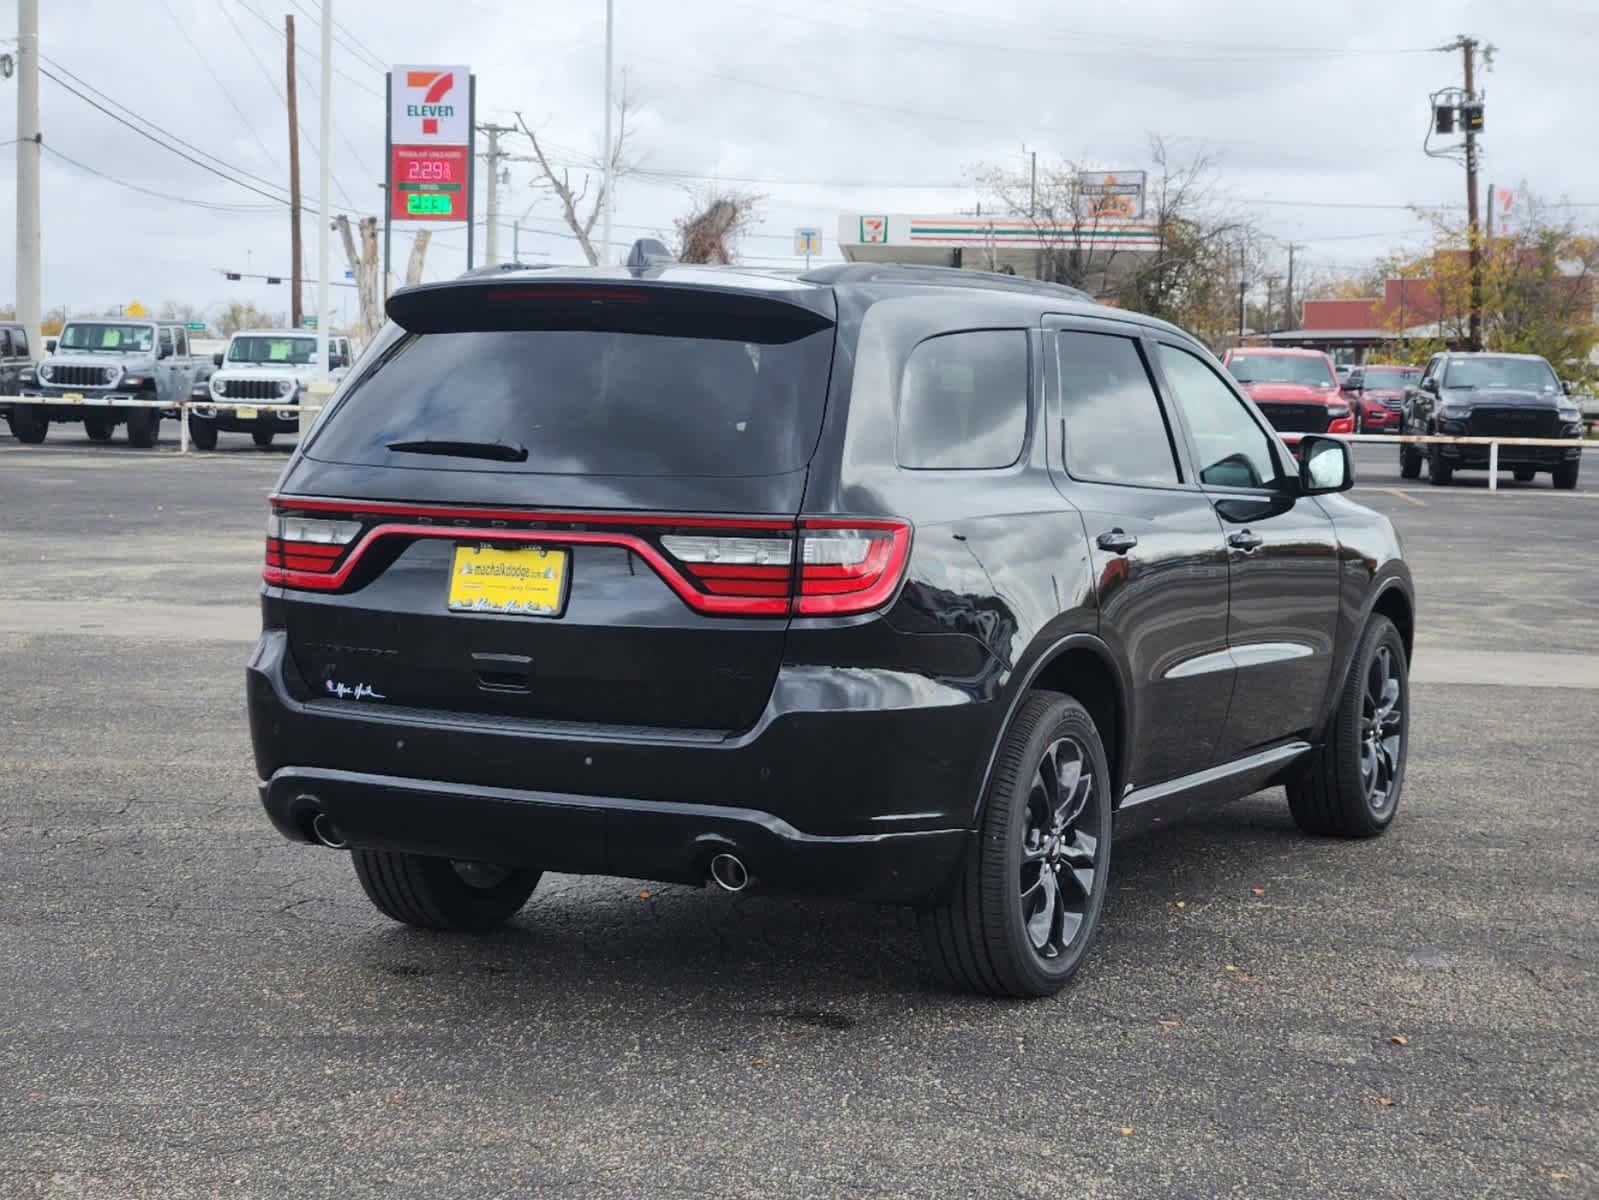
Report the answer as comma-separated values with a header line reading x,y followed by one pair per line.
x,y
429,183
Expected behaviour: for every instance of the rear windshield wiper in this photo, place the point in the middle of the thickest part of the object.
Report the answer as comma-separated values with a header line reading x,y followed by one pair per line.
x,y
495,451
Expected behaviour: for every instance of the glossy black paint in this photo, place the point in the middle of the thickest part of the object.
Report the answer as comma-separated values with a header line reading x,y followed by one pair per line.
x,y
843,756
1435,407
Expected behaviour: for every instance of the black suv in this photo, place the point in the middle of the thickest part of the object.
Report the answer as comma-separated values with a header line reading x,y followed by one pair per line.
x,y
1491,395
876,581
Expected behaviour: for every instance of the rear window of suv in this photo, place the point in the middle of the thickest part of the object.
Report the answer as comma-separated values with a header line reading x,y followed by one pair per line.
x,y
589,402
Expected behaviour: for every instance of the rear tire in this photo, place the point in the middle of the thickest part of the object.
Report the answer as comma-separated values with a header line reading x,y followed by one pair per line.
x,y
1026,905
1409,462
99,429
202,433
1438,471
1525,474
1566,474
262,437
1351,786
144,427
29,425
438,894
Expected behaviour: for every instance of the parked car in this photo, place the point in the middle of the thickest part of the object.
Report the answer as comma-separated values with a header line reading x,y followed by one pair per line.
x,y
1489,395
1379,397
14,359
880,582
273,366
1296,389
95,363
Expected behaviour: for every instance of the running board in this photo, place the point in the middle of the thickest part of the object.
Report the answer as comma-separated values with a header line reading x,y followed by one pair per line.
x,y
1161,802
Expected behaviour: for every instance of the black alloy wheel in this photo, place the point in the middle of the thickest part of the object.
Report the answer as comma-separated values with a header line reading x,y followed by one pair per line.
x,y
1058,853
1023,912
1351,786
1382,730
1409,461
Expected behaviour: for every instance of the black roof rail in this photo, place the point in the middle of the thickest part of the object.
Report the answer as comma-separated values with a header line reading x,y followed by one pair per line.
x,y
942,277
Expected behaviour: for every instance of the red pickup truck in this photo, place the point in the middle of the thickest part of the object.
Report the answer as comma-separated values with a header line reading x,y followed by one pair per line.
x,y
1297,390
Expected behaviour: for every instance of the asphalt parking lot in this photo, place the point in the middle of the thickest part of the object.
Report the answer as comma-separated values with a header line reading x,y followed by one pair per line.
x,y
190,1006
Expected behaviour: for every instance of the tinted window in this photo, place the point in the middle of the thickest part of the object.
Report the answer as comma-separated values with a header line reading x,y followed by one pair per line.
x,y
166,341
5,343
1114,429
1233,450
589,401
963,401
1516,374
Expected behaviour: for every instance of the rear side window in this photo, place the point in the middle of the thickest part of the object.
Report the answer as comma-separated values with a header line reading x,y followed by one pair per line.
x,y
589,402
1115,431
963,401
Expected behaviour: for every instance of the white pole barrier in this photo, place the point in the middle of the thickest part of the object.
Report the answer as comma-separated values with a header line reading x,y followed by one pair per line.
x,y
1493,467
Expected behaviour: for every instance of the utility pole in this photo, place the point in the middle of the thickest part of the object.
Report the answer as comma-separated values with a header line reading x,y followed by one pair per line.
x,y
296,312
1468,47
493,156
324,218
1032,188
605,224
1241,288
1293,321
29,142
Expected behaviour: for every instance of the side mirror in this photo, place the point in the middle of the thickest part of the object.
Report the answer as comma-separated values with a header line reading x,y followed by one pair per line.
x,y
1356,383
49,345
1430,386
1325,465
216,359
1565,386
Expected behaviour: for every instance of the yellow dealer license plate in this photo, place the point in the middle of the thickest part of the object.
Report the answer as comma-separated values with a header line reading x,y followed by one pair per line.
x,y
72,395
529,581
248,414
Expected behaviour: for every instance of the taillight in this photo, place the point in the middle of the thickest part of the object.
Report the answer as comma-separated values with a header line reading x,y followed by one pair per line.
x,y
299,546
850,566
845,566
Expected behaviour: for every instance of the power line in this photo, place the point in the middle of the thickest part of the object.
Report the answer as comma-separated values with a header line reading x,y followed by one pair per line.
x,y
227,92
206,204
345,75
349,41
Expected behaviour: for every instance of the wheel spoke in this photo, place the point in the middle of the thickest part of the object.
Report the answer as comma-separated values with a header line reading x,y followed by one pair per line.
x,y
1069,779
1041,913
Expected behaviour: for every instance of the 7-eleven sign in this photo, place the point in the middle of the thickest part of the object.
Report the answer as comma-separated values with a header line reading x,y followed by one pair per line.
x,y
430,105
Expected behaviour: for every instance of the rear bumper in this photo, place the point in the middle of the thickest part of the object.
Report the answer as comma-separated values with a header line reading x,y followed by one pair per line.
x,y
855,784
606,836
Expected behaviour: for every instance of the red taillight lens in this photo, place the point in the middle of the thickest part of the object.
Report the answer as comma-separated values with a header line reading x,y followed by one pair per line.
x,y
300,546
845,567
850,566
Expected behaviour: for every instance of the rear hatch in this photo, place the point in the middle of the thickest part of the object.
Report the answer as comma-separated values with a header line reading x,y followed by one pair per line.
x,y
569,501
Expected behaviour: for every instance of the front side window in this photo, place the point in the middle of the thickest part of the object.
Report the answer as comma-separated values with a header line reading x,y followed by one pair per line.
x,y
5,343
19,343
166,343
1114,430
1234,451
963,401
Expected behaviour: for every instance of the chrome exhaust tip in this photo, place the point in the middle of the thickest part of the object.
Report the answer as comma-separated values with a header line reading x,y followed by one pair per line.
x,y
729,873
326,832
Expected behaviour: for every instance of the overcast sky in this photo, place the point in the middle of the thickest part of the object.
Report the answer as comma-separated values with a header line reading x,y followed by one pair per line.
x,y
824,106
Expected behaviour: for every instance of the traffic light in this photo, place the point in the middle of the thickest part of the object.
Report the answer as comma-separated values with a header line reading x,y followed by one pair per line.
x,y
1471,116
1443,118
231,276
274,279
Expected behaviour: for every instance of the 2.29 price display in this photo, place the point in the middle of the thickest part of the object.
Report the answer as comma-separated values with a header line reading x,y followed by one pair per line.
x,y
428,183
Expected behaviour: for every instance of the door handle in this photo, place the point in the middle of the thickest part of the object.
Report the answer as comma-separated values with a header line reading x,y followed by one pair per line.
x,y
1245,541
1117,541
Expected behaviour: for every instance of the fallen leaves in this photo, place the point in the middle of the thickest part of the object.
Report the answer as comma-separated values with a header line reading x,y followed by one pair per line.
x,y
1257,891
1383,1101
644,895
1127,1131
1400,1039
1167,1024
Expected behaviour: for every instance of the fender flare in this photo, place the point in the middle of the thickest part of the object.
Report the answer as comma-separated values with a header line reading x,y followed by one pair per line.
x,y
1072,641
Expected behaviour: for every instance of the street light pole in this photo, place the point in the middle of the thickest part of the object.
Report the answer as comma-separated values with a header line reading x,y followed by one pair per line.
x,y
605,223
324,217
28,149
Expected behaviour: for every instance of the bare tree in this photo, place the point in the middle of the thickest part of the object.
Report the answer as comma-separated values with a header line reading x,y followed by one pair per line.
x,y
365,267
711,230
1050,206
419,253
579,209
